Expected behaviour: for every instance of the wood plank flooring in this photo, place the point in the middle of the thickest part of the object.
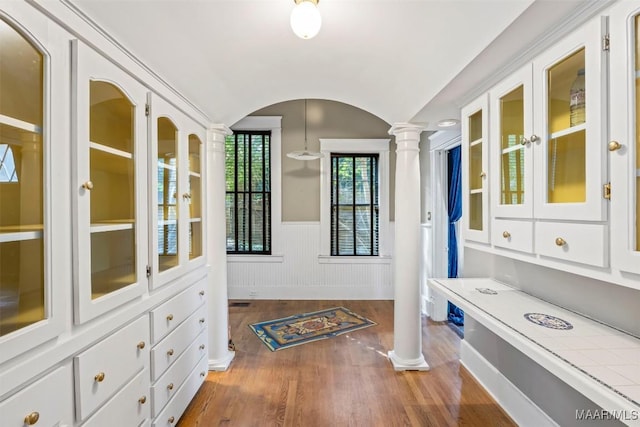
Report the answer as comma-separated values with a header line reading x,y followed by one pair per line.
x,y
342,381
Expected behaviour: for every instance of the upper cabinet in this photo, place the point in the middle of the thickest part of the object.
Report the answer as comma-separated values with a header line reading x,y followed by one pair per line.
x,y
176,218
30,298
110,184
475,167
569,127
624,144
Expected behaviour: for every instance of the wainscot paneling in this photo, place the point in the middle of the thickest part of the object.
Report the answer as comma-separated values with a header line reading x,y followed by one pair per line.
x,y
296,271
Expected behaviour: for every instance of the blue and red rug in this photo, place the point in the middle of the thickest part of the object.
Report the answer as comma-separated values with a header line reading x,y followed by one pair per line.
x,y
303,328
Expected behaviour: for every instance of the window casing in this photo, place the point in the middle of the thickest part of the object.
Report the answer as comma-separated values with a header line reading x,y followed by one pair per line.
x,y
354,205
248,195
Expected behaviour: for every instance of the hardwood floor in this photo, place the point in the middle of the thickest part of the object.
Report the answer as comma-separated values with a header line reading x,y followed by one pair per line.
x,y
342,381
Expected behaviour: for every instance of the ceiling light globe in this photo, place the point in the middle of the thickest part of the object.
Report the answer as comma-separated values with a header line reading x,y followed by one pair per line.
x,y
305,20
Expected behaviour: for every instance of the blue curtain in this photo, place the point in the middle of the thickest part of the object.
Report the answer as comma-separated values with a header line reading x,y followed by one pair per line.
x,y
455,213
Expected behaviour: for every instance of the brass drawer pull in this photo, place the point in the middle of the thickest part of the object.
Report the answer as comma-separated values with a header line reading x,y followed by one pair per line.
x,y
32,418
560,241
88,185
171,420
99,378
170,317
201,346
142,400
506,234
141,345
201,293
170,352
170,386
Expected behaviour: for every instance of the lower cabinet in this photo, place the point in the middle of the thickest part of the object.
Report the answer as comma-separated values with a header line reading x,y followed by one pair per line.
x,y
47,402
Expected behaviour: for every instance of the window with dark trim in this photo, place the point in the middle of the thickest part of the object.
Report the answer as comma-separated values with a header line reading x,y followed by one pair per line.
x,y
248,196
354,204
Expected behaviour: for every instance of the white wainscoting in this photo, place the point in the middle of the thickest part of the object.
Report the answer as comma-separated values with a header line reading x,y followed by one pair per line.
x,y
295,271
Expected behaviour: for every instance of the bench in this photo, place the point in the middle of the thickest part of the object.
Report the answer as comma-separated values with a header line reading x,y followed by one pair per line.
x,y
600,362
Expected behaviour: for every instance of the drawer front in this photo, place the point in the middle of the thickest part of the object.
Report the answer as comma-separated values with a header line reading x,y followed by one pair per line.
x,y
131,406
515,235
49,401
583,243
169,315
170,415
169,349
104,368
167,386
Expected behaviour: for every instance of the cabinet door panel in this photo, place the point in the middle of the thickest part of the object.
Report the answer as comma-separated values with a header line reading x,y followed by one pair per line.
x,y
110,184
624,154
571,116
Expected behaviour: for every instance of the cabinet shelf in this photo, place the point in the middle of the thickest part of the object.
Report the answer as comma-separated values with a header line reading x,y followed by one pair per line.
x,y
476,142
195,219
20,124
14,233
110,150
194,174
112,225
568,131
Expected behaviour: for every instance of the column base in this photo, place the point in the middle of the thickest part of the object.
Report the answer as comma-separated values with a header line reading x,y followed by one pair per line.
x,y
400,364
223,363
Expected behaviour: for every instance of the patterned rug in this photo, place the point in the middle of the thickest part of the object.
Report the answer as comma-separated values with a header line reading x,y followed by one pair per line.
x,y
303,328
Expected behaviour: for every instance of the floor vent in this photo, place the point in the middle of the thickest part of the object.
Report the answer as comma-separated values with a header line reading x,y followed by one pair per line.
x,y
239,304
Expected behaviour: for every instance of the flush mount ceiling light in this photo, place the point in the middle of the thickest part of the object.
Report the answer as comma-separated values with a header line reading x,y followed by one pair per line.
x,y
447,123
306,19
306,154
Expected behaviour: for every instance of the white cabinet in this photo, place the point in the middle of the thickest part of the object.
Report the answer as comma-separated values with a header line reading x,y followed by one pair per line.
x,y
624,144
475,167
110,184
176,213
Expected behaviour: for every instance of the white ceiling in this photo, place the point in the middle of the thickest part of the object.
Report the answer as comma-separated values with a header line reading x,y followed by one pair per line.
x,y
402,60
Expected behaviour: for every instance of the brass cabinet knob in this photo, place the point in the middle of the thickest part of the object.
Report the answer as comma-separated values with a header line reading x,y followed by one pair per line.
x,y
483,174
170,352
141,345
142,400
32,418
506,234
201,293
560,241
524,141
614,145
88,185
170,386
201,347
99,377
201,320
170,317
171,420
534,138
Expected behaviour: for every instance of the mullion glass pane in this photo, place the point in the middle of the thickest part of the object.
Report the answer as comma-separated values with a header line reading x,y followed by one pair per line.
x,y
362,177
230,208
230,162
267,163
257,223
345,230
345,180
256,163
243,222
363,230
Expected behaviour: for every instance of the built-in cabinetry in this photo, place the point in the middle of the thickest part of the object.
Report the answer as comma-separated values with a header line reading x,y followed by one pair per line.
x,y
103,316
624,145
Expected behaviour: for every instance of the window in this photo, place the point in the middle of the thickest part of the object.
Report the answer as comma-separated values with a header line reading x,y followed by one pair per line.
x,y
354,204
248,196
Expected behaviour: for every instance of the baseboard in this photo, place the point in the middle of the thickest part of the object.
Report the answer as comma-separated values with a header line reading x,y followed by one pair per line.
x,y
515,403
312,292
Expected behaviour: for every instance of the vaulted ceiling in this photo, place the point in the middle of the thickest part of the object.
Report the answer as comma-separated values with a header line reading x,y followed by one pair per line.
x,y
402,60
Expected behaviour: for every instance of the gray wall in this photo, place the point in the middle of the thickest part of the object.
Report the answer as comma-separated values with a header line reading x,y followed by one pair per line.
x,y
325,119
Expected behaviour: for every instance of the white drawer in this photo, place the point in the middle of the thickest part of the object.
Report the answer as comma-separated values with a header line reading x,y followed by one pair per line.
x,y
131,406
104,368
169,315
168,384
49,400
174,409
512,234
583,243
169,349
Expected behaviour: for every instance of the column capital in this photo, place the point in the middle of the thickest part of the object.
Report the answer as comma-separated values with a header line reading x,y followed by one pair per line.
x,y
216,135
406,130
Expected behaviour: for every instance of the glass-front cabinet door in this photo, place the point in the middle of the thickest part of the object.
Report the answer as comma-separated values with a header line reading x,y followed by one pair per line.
x,y
475,167
110,191
29,303
624,142
176,219
512,145
570,118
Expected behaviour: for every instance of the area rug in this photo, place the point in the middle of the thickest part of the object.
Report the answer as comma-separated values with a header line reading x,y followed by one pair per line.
x,y
303,328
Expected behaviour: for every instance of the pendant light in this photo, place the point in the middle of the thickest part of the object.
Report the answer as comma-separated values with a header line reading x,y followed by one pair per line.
x,y
306,154
305,19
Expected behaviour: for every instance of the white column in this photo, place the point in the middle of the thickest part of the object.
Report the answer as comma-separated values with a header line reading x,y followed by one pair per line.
x,y
407,327
219,355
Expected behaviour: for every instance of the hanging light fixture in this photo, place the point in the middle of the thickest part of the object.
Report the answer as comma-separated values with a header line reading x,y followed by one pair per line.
x,y
306,19
306,154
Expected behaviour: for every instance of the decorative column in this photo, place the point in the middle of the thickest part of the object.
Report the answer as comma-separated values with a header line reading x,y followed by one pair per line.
x,y
407,328
219,355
